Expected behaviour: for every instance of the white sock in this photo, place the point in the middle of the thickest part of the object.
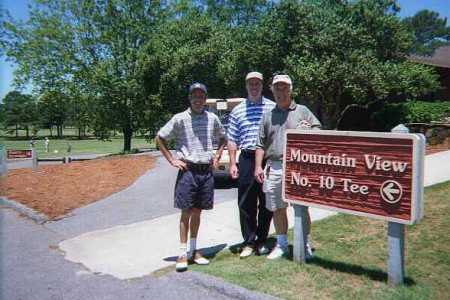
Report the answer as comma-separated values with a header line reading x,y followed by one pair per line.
x,y
282,241
183,249
192,245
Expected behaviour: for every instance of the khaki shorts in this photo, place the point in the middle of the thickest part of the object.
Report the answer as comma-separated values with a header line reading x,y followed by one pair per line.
x,y
272,185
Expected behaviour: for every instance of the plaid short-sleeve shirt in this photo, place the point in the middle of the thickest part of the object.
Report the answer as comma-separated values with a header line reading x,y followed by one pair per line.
x,y
196,135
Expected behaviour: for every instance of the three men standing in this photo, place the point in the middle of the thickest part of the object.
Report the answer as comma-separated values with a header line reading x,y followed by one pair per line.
x,y
195,132
257,127
243,130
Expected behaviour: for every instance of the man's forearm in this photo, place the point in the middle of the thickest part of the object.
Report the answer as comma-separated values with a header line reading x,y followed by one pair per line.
x,y
259,156
163,148
221,147
232,148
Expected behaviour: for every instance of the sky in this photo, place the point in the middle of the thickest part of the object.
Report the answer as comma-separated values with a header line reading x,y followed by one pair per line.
x,y
19,10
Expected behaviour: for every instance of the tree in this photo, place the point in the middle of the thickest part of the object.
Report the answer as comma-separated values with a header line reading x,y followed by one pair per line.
x,y
204,43
92,47
127,64
53,111
20,111
79,113
236,12
2,114
187,50
337,53
430,31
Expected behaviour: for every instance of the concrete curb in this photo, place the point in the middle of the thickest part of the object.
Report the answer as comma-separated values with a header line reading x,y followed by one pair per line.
x,y
230,290
24,210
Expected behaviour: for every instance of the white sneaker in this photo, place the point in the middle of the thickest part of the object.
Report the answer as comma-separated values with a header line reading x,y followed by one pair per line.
x,y
182,264
199,259
277,253
246,252
263,250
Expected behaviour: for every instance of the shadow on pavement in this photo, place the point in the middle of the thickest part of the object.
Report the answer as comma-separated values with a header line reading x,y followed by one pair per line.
x,y
209,252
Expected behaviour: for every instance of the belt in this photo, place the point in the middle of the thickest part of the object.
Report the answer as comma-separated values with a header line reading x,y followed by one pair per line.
x,y
198,167
248,152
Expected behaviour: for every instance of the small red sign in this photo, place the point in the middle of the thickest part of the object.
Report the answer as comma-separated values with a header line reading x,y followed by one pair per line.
x,y
15,154
378,175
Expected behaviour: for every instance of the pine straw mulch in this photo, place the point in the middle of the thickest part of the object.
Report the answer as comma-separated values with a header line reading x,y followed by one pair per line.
x,y
55,190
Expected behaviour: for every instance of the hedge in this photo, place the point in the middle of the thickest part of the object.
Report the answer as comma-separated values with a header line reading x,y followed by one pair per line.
x,y
393,114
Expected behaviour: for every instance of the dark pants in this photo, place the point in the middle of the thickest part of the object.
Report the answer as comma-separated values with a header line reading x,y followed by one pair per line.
x,y
254,216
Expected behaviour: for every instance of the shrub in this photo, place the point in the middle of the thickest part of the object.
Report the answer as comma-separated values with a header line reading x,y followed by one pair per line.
x,y
423,112
393,114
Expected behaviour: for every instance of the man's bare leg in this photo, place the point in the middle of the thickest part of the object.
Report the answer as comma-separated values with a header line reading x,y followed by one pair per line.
x,y
281,226
182,260
280,221
184,225
194,225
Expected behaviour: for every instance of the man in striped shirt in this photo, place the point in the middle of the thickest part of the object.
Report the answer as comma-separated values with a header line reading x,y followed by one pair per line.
x,y
195,131
243,130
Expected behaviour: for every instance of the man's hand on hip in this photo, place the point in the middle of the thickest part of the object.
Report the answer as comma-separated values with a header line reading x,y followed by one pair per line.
x,y
179,164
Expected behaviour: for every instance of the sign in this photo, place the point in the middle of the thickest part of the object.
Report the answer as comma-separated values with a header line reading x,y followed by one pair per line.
x,y
222,105
15,154
378,175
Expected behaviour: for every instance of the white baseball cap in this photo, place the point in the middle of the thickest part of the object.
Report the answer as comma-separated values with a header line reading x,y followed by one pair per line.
x,y
282,78
254,75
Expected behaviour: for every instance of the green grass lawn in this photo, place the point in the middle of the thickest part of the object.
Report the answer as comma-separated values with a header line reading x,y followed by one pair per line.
x,y
350,260
78,146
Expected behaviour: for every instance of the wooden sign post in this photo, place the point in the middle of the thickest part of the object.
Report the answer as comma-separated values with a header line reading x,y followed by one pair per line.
x,y
377,175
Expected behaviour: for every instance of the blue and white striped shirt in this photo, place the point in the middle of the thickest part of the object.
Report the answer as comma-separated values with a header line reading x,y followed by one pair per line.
x,y
244,121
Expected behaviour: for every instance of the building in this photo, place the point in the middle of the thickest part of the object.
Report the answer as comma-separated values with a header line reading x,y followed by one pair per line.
x,y
440,60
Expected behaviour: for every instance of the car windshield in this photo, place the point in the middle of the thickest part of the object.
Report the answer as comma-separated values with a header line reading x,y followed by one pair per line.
x,y
223,117
222,108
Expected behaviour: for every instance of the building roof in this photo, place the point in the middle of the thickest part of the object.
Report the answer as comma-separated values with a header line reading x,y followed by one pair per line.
x,y
440,58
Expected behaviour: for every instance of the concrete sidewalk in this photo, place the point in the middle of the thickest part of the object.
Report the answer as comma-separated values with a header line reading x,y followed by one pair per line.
x,y
32,268
134,250
437,168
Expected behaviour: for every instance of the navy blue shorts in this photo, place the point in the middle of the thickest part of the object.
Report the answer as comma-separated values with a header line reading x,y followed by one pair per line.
x,y
194,189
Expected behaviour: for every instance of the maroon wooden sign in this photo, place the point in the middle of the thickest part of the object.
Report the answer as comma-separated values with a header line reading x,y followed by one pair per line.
x,y
378,175
15,154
